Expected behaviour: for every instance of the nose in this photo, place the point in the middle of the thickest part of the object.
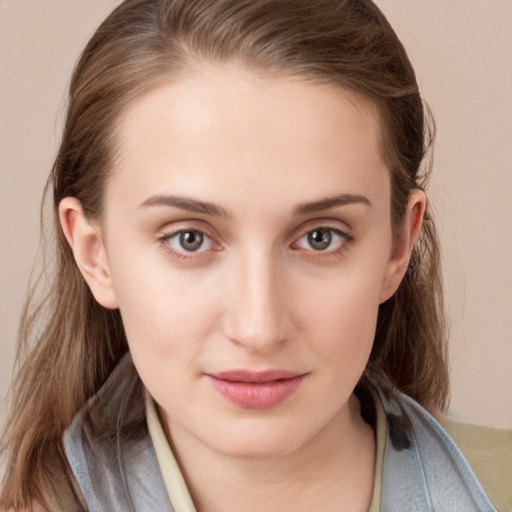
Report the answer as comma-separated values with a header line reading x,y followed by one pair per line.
x,y
256,314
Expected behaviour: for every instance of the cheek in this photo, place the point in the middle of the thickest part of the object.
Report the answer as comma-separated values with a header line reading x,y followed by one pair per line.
x,y
165,310
166,326
165,316
341,314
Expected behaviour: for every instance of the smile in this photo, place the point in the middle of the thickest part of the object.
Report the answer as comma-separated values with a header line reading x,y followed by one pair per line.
x,y
256,390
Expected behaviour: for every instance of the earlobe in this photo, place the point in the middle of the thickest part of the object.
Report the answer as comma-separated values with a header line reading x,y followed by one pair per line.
x,y
403,244
88,249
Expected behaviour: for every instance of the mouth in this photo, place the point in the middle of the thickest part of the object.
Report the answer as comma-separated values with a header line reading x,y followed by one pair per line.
x,y
256,390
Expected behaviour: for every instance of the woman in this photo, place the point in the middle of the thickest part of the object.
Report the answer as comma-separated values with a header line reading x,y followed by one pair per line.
x,y
246,283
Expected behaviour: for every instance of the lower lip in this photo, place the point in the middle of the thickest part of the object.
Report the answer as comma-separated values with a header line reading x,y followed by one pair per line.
x,y
256,395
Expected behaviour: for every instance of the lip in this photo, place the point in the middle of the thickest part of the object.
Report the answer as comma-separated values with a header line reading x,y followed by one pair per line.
x,y
256,389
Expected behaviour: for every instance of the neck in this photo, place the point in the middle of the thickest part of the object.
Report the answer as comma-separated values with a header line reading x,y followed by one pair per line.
x,y
332,471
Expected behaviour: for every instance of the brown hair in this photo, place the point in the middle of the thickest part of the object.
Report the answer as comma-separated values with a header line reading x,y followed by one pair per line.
x,y
68,343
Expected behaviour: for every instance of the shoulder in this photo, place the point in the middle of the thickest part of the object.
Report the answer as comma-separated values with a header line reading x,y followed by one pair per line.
x,y
489,453
422,464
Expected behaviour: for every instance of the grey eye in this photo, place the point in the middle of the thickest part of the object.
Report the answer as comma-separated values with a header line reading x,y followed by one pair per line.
x,y
189,240
320,239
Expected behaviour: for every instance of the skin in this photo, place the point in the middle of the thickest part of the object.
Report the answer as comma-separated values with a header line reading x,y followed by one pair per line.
x,y
257,294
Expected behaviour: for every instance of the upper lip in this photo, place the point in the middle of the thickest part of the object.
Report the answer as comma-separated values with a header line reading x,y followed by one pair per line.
x,y
255,376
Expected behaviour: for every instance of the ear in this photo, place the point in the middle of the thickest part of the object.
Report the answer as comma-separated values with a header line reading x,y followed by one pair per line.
x,y
403,244
86,242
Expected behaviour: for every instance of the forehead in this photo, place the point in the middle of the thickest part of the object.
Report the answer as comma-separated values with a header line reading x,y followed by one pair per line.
x,y
225,129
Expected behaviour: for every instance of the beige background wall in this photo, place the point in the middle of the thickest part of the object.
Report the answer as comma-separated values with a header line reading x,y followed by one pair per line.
x,y
462,51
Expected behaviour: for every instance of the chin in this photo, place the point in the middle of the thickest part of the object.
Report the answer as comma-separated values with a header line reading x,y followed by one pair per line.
x,y
261,440
263,448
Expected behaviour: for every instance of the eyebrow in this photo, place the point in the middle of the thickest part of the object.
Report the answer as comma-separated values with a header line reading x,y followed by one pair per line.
x,y
331,202
206,208
185,203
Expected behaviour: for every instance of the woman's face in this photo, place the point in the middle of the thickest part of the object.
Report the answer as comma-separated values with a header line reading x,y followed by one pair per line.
x,y
248,240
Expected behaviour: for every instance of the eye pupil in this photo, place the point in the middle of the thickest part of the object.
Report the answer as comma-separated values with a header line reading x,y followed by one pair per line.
x,y
191,240
320,239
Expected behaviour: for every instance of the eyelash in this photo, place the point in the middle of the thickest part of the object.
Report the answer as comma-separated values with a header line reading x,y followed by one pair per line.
x,y
345,240
165,240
